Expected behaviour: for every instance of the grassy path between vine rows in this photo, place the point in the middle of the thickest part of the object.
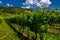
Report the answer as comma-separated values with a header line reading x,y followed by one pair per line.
x,y
6,33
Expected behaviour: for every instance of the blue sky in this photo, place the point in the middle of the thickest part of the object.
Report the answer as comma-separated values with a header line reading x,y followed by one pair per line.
x,y
55,3
19,3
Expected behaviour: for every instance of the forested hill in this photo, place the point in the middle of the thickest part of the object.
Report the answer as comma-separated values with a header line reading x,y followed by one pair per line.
x,y
15,10
24,24
12,10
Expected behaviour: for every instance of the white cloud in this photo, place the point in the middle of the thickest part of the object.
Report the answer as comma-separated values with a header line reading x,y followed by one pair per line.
x,y
45,3
36,3
0,2
9,5
28,7
29,2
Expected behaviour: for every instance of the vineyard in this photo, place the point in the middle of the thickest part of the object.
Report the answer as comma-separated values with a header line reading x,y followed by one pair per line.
x,y
25,24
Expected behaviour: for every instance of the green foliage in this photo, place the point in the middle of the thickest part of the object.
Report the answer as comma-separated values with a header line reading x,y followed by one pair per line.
x,y
37,21
0,20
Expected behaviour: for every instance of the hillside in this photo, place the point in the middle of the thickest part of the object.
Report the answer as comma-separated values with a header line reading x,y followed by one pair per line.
x,y
25,24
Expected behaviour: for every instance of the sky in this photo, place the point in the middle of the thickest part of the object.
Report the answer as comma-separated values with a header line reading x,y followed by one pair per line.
x,y
31,4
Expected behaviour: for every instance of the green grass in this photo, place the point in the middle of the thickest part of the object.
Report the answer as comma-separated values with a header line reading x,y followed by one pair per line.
x,y
6,33
51,37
